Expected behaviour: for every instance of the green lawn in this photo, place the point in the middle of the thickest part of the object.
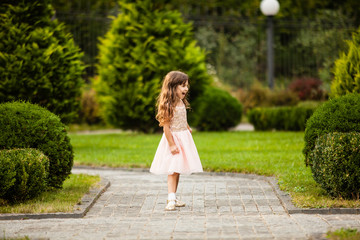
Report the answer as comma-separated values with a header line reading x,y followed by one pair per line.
x,y
267,153
61,200
344,234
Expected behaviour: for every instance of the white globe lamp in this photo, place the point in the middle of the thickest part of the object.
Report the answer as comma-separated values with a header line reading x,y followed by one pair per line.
x,y
269,7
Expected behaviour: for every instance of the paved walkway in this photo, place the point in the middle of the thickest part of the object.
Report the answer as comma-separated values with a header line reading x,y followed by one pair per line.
x,y
218,207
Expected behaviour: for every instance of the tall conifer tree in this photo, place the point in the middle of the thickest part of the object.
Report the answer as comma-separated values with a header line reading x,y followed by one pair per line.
x,y
143,44
39,61
347,69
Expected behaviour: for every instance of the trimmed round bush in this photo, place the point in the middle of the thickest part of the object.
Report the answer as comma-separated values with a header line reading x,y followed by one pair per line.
x,y
25,125
27,176
216,110
337,115
39,61
7,172
336,164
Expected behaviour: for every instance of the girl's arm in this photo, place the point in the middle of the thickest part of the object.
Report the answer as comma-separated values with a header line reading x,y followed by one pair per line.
x,y
169,138
189,128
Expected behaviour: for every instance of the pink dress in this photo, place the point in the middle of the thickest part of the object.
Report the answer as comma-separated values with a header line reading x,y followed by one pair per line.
x,y
187,161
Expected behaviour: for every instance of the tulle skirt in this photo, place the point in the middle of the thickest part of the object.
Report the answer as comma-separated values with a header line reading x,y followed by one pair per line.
x,y
187,161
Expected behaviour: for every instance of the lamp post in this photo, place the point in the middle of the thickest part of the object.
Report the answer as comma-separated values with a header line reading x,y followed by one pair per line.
x,y
270,8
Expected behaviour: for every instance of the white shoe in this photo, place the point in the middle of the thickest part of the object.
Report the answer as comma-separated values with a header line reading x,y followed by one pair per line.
x,y
170,206
179,203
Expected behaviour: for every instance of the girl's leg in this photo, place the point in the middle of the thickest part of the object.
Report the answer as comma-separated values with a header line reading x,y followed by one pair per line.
x,y
171,202
173,182
177,182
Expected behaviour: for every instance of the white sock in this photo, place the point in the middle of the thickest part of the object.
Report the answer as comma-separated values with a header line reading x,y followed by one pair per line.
x,y
171,197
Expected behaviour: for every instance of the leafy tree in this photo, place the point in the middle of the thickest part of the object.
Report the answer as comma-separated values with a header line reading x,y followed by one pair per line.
x,y
233,55
98,6
322,39
35,13
233,23
142,45
39,61
87,20
347,69
289,9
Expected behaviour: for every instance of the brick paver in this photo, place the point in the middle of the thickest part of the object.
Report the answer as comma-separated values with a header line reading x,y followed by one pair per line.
x,y
218,207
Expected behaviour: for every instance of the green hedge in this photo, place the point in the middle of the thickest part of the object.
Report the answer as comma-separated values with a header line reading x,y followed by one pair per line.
x,y
25,125
280,118
23,174
216,110
336,164
337,115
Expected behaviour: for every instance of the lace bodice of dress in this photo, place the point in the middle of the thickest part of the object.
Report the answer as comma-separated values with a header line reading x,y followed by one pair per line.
x,y
178,122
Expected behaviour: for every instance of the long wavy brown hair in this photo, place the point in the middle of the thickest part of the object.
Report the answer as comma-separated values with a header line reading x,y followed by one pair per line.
x,y
166,102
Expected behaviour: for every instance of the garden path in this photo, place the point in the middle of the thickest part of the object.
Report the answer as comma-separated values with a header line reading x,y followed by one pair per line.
x,y
218,207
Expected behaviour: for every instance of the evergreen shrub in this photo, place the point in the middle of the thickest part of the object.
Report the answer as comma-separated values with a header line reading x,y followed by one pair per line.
x,y
25,125
39,61
90,109
282,98
291,118
216,110
347,69
336,164
340,114
260,96
27,176
142,46
256,96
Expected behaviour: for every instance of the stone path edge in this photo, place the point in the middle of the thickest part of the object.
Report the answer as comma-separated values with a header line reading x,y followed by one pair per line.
x,y
80,210
284,197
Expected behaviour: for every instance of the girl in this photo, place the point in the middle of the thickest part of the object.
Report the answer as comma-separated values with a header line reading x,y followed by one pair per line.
x,y
176,153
